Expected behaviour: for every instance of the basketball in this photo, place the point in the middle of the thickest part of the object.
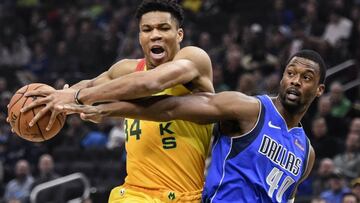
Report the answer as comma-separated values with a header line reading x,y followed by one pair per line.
x,y
20,121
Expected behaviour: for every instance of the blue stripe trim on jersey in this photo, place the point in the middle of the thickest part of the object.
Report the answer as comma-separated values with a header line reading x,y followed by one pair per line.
x,y
241,143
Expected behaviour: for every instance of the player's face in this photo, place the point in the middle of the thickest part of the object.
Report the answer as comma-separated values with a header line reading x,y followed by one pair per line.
x,y
300,84
159,37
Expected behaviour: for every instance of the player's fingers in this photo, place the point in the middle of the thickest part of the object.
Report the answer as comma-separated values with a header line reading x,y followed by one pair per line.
x,y
90,117
35,103
38,93
12,130
74,108
66,86
52,120
8,119
39,115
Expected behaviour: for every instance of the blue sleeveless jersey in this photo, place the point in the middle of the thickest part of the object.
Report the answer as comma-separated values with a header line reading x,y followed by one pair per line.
x,y
263,165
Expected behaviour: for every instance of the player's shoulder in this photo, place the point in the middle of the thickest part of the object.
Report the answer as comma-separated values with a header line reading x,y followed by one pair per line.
x,y
123,67
128,63
193,50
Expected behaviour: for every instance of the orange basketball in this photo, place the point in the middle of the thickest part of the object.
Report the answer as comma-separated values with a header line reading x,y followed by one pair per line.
x,y
20,121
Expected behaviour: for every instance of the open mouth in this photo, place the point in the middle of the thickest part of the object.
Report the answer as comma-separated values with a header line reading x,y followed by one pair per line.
x,y
293,94
157,52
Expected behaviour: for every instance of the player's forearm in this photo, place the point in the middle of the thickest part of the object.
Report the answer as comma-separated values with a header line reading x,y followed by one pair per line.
x,y
125,88
81,84
133,110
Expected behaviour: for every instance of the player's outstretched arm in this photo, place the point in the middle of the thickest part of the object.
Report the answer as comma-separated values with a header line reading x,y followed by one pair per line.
x,y
200,108
191,64
52,98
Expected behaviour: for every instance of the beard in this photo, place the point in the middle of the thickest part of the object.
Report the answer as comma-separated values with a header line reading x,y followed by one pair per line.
x,y
295,106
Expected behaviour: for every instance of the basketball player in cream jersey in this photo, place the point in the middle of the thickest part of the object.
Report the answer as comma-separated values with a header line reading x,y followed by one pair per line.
x,y
165,160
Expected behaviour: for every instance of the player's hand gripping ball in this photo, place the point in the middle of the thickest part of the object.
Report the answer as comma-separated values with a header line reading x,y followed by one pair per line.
x,y
20,121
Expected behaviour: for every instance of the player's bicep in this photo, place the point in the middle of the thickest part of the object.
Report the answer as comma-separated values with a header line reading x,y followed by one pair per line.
x,y
117,70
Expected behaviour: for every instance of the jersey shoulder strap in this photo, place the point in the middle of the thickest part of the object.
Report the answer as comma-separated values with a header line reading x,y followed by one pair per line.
x,y
140,66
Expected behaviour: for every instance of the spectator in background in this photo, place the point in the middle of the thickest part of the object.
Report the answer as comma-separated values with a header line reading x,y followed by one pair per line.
x,y
322,141
337,188
47,173
318,200
74,132
95,138
326,167
340,104
218,79
232,68
337,28
355,125
349,162
247,84
336,126
116,135
19,187
355,187
350,198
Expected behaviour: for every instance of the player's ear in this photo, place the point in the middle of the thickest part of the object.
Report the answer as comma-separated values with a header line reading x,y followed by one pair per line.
x,y
180,35
320,90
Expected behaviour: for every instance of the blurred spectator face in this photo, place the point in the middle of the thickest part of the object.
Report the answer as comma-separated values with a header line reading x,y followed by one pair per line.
x,y
85,27
167,38
352,142
22,170
355,125
226,40
334,17
272,82
326,167
204,40
319,128
233,58
318,200
336,92
217,75
336,183
70,32
324,105
349,198
247,84
46,164
356,190
61,48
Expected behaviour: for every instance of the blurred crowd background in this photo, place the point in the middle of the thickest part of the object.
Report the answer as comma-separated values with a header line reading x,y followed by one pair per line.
x,y
59,42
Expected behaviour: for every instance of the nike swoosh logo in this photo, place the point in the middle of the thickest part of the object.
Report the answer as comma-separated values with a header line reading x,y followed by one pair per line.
x,y
273,126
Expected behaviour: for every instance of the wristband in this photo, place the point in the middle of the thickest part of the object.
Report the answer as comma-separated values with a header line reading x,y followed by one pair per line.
x,y
76,97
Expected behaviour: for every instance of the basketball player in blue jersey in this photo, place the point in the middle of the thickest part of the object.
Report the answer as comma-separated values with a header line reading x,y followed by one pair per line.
x,y
266,154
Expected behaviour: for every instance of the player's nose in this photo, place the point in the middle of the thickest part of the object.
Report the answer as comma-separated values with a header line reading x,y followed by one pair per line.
x,y
155,35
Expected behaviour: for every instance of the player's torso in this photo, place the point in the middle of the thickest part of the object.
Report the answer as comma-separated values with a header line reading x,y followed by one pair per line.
x,y
167,155
262,166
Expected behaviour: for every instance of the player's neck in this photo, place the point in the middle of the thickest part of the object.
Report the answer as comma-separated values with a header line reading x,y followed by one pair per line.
x,y
292,119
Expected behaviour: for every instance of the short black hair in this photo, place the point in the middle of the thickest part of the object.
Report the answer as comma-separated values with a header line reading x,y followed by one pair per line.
x,y
313,56
170,6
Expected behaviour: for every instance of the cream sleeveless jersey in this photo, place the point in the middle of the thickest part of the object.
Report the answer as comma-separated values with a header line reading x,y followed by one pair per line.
x,y
166,155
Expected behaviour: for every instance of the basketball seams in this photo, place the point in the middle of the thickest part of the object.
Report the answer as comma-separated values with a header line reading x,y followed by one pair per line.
x,y
27,87
38,127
